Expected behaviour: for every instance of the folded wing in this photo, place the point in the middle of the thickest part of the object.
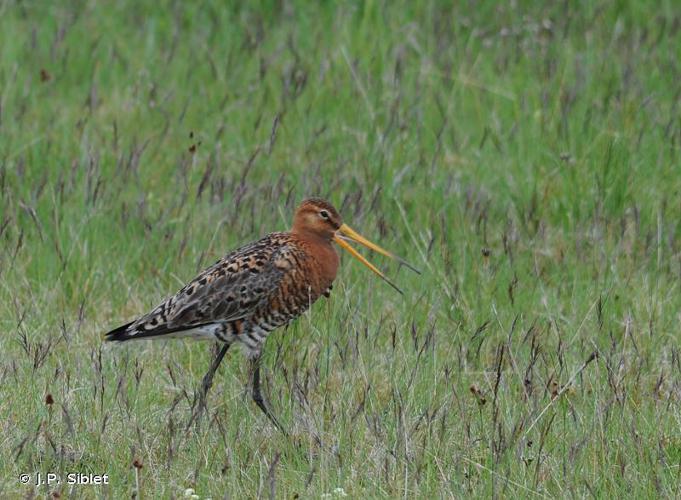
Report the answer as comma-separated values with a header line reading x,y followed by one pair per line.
x,y
229,290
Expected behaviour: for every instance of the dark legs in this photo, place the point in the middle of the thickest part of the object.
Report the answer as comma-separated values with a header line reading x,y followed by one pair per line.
x,y
199,403
258,397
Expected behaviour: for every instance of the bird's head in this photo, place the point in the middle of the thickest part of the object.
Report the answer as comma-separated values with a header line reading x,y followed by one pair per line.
x,y
318,218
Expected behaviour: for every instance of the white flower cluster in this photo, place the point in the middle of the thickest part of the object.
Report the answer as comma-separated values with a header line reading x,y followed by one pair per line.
x,y
337,493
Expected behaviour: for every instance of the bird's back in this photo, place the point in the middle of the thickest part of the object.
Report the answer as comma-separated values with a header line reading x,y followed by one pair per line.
x,y
243,296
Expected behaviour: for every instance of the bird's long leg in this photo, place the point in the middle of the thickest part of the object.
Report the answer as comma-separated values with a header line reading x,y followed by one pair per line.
x,y
199,403
258,397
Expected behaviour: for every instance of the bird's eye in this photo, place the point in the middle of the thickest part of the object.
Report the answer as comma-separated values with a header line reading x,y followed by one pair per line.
x,y
324,214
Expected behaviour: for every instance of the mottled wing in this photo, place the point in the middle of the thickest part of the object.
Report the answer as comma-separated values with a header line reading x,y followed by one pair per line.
x,y
229,290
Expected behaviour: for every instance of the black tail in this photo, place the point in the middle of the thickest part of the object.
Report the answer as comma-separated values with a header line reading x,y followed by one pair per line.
x,y
120,334
123,333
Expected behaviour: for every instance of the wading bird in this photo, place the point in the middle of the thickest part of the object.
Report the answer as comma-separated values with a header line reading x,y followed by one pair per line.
x,y
255,289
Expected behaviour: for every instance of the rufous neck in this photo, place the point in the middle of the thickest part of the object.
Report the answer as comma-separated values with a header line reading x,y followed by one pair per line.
x,y
312,236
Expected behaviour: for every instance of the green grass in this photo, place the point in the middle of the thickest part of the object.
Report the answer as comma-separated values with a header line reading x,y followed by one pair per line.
x,y
528,159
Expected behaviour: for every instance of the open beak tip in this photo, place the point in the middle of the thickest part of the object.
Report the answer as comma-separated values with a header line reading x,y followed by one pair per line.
x,y
407,264
393,285
346,234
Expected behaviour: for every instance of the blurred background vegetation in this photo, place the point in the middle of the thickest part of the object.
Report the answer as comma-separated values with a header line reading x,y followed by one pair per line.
x,y
524,155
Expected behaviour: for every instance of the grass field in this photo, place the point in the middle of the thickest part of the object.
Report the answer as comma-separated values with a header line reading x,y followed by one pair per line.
x,y
527,158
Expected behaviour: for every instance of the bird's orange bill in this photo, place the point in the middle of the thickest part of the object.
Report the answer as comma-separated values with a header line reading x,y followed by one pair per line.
x,y
348,233
352,234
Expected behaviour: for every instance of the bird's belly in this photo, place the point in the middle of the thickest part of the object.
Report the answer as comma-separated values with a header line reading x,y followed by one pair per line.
x,y
212,331
254,335
280,310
